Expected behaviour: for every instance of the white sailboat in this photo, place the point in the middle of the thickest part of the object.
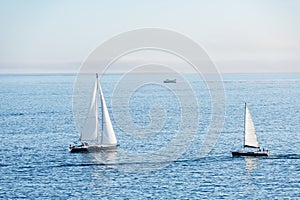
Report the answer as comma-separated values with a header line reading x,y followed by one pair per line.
x,y
92,139
251,146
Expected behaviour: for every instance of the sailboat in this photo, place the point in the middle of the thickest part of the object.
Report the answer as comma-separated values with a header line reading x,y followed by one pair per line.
x,y
92,139
251,146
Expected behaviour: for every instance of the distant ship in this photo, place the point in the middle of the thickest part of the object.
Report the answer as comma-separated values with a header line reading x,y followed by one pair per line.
x,y
170,81
251,146
93,140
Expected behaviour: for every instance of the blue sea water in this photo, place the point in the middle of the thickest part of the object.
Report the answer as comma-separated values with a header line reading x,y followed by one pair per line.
x,y
37,125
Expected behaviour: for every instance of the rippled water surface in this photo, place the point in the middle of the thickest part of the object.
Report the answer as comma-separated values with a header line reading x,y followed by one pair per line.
x,y
37,125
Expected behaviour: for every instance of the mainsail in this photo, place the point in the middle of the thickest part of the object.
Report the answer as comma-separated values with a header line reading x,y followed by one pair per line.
x,y
90,128
90,132
250,134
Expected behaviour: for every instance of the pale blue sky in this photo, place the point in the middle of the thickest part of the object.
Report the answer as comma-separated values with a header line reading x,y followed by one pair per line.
x,y
239,35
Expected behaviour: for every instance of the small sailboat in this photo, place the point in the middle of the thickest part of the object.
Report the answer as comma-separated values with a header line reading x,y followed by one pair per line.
x,y
170,81
92,139
251,146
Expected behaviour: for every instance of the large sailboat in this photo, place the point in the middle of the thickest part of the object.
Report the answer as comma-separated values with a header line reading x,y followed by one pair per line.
x,y
94,138
251,146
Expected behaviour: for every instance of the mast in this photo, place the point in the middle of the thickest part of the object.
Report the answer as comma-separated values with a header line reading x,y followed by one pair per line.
x,y
96,110
245,124
102,121
98,89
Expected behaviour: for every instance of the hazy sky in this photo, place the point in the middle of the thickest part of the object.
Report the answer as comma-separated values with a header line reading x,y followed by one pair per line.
x,y
238,35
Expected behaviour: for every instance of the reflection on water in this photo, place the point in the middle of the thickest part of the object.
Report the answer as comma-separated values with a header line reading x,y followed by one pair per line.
x,y
125,161
107,157
251,163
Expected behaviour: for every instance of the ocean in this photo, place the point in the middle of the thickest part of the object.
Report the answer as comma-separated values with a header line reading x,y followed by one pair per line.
x,y
161,130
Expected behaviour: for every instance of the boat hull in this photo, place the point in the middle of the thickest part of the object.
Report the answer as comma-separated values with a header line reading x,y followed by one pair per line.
x,y
91,149
250,153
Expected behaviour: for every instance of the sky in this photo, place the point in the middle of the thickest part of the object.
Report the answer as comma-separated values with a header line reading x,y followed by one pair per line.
x,y
240,36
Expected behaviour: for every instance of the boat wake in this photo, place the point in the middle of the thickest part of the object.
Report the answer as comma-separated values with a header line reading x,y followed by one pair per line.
x,y
285,156
80,164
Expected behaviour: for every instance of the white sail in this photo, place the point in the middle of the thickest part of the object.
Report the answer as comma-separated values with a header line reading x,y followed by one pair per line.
x,y
90,128
250,133
90,132
107,136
